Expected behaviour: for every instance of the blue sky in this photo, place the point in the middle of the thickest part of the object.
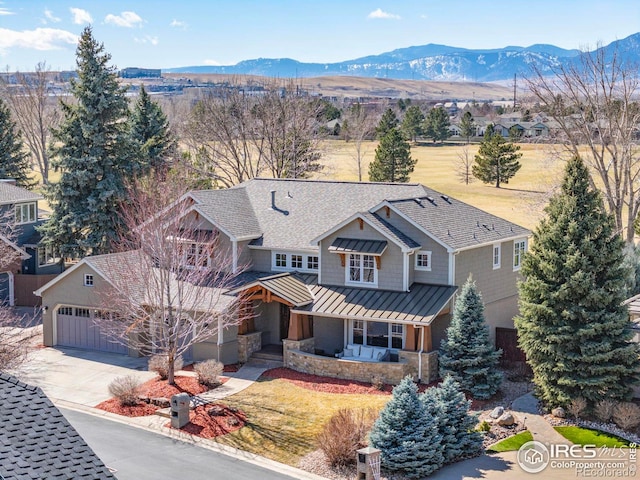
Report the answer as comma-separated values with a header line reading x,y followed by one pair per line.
x,y
164,34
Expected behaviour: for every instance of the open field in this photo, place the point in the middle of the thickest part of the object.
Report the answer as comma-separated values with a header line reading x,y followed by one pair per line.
x,y
346,86
520,201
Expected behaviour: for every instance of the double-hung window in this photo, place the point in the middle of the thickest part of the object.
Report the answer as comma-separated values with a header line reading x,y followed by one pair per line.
x,y
196,255
362,269
26,213
496,256
519,247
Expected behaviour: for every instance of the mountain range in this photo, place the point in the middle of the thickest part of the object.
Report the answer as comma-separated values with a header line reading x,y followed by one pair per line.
x,y
426,62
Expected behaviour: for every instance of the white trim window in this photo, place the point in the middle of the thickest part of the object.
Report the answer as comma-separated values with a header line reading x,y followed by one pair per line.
x,y
47,255
88,280
196,255
26,213
496,256
377,334
423,260
288,261
361,269
519,248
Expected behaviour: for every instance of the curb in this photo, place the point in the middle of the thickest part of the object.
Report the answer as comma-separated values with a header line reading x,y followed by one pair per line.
x,y
192,439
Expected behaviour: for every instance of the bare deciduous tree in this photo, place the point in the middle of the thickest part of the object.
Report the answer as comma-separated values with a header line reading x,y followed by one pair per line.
x,y
359,126
595,104
36,112
463,165
235,134
169,278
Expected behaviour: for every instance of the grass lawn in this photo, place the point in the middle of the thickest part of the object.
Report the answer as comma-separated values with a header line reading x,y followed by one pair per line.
x,y
512,443
585,436
520,201
283,419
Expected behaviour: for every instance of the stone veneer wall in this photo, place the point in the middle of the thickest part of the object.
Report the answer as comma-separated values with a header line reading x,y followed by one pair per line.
x,y
305,345
247,344
429,364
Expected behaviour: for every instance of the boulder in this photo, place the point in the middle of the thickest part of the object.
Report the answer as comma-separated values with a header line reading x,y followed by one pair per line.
x,y
496,412
506,420
559,412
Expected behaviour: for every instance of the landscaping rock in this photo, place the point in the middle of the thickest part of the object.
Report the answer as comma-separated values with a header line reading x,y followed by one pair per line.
x,y
559,412
497,412
506,420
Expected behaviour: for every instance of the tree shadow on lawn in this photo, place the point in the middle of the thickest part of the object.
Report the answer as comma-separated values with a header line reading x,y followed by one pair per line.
x,y
521,190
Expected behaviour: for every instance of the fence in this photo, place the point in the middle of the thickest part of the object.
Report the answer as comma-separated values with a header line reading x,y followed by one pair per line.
x,y
24,285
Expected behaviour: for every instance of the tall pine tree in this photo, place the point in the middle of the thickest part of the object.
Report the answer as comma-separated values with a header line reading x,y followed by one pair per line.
x,y
93,151
572,325
412,123
467,353
496,160
388,122
407,437
393,162
151,136
437,124
14,161
449,406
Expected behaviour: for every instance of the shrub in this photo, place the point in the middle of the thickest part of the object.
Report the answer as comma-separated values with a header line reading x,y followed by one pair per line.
x,y
577,407
209,372
377,382
483,426
126,390
160,365
344,433
604,410
627,415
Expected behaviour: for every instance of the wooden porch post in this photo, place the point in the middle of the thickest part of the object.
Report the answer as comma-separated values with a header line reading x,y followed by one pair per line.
x,y
410,339
295,327
428,341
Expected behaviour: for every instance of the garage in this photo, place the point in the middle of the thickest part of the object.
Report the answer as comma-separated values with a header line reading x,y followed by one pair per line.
x,y
75,328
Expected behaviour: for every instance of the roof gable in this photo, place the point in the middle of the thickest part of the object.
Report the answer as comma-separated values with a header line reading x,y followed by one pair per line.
x,y
10,193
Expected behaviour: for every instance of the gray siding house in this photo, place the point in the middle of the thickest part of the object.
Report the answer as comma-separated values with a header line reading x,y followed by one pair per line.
x,y
346,279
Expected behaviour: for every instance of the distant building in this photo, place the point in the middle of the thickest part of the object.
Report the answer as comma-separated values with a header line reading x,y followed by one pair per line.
x,y
135,72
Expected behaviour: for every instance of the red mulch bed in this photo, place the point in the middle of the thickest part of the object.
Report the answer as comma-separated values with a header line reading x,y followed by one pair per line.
x,y
204,425
330,385
154,388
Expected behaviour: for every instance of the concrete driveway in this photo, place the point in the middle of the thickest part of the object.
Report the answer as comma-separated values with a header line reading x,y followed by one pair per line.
x,y
79,376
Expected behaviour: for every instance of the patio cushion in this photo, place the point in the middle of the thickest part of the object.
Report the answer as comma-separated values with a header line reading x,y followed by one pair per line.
x,y
355,349
366,353
379,352
348,352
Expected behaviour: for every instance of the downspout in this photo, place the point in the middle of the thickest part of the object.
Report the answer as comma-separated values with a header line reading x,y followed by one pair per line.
x,y
219,342
421,327
234,250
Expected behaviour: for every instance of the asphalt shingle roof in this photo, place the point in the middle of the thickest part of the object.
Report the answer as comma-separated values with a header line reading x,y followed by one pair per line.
x,y
12,194
36,441
306,209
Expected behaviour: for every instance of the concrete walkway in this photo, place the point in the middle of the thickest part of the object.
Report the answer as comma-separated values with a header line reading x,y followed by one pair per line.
x,y
526,408
238,381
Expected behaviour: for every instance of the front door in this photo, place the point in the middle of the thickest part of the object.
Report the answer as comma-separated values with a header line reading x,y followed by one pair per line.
x,y
285,314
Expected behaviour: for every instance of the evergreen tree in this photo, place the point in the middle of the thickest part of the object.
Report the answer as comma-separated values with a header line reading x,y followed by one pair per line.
x,y
467,126
406,435
467,353
412,123
94,154
393,162
14,161
387,122
572,325
496,160
150,135
437,125
449,406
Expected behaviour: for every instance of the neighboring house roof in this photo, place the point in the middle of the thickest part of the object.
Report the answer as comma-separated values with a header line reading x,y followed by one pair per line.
x,y
19,251
306,210
455,223
420,305
36,441
10,193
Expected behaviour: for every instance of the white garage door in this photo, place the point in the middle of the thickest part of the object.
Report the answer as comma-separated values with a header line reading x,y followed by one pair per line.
x,y
76,328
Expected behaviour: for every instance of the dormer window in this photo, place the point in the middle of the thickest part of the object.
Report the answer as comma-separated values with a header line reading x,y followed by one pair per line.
x,y
26,213
196,255
362,269
423,260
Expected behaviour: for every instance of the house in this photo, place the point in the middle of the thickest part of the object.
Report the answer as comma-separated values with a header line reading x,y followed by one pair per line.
x,y
19,217
37,441
331,266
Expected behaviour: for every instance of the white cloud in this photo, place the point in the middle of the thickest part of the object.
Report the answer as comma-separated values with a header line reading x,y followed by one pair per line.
x,y
80,16
125,19
5,11
178,24
209,61
38,39
423,16
50,16
379,13
147,39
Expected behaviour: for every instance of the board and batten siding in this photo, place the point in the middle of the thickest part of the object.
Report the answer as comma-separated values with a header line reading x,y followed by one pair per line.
x,y
390,273
439,273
